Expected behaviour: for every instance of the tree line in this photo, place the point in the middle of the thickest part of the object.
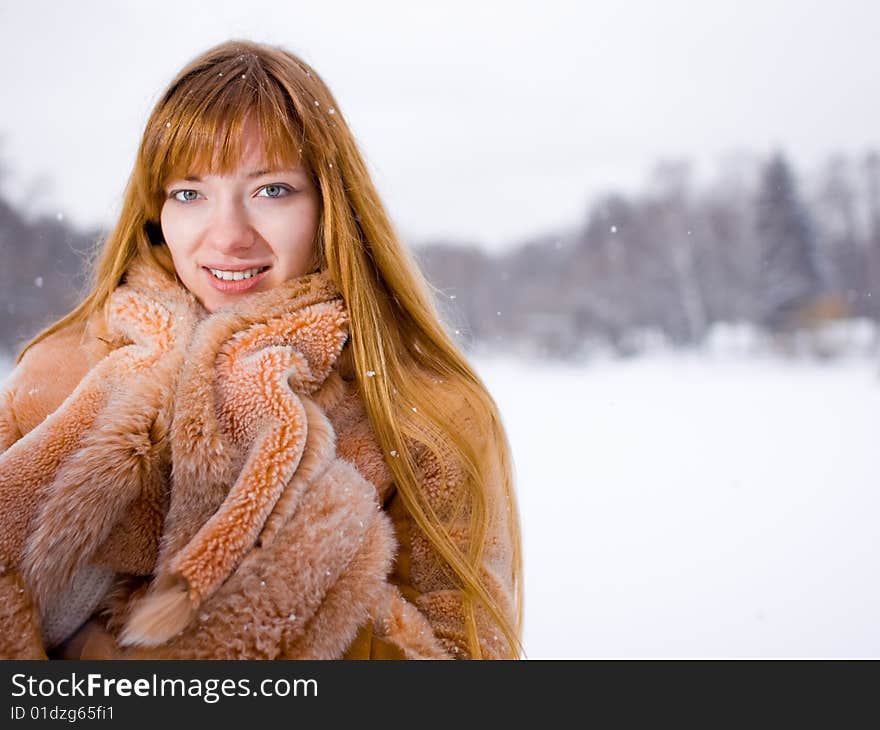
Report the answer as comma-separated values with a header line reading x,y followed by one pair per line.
x,y
749,247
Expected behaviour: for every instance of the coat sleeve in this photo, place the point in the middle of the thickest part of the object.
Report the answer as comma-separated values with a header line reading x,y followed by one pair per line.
x,y
49,371
37,385
19,621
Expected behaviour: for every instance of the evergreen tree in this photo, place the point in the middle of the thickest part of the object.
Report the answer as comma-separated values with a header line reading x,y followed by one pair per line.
x,y
790,273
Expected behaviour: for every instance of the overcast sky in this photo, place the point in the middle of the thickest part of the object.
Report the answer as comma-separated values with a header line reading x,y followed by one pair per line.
x,y
486,121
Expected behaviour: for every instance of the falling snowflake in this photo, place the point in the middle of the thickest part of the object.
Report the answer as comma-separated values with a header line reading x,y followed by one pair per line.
x,y
38,282
393,452
331,110
614,229
371,373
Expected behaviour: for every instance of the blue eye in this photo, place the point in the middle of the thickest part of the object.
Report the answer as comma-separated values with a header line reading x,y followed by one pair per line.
x,y
274,191
188,195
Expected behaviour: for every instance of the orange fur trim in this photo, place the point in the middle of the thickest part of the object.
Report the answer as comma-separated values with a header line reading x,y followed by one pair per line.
x,y
272,545
158,616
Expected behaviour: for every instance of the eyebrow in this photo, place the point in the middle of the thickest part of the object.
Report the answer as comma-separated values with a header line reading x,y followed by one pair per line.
x,y
250,175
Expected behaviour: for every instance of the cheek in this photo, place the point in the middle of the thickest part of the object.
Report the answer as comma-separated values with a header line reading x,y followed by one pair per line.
x,y
177,234
176,231
296,236
170,228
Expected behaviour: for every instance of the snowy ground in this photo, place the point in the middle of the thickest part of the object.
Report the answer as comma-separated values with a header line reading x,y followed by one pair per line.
x,y
684,506
691,506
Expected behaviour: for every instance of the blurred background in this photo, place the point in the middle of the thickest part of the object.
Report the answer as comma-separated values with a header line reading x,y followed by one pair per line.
x,y
656,229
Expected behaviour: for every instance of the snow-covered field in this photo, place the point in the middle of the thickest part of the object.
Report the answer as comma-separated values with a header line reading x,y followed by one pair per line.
x,y
684,506
696,506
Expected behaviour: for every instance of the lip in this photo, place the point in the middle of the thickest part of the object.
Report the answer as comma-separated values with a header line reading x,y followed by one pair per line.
x,y
235,287
235,267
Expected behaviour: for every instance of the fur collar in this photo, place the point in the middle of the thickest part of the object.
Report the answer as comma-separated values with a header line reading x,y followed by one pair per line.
x,y
198,452
204,392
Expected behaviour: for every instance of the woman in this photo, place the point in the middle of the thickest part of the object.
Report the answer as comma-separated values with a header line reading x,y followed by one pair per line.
x,y
253,438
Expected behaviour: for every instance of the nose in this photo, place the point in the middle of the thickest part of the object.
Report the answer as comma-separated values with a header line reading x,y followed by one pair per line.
x,y
229,228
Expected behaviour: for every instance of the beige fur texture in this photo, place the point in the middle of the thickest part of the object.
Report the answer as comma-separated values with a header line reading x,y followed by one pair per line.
x,y
223,465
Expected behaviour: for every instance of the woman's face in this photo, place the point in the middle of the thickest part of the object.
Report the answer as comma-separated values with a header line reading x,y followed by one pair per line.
x,y
244,232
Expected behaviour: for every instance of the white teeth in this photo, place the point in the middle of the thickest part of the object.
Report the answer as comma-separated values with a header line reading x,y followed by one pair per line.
x,y
235,275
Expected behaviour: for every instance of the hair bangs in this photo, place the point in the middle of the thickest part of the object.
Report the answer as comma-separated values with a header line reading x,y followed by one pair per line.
x,y
199,130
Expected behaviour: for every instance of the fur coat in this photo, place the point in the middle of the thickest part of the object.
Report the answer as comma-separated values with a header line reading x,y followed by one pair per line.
x,y
208,486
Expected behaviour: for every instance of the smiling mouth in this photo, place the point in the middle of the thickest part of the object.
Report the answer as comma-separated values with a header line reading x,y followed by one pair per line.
x,y
225,275
233,282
